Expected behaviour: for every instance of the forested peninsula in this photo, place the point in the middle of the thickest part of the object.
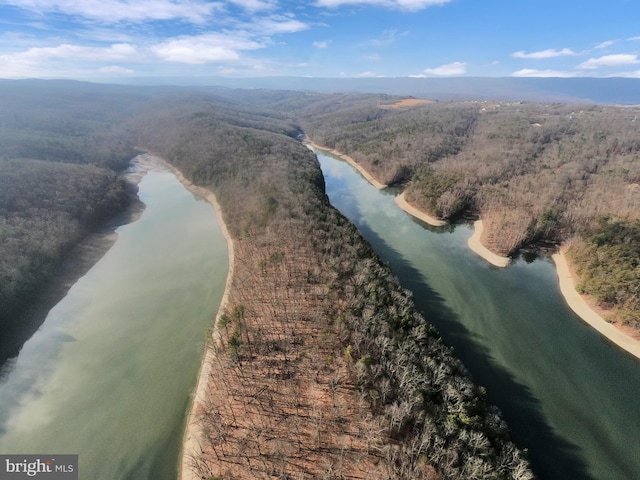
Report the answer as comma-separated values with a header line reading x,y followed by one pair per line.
x,y
322,367
538,175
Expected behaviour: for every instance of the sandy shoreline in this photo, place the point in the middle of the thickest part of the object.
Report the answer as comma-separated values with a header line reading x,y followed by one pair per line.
x,y
476,245
566,279
586,313
401,201
351,162
474,242
191,438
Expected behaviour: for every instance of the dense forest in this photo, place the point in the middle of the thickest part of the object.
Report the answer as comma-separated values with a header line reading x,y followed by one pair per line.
x,y
323,366
536,174
61,147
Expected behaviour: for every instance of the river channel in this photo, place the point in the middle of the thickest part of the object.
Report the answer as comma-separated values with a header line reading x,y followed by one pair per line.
x,y
568,395
109,373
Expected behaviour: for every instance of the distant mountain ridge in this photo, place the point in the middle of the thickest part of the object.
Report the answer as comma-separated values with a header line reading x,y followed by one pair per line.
x,y
623,91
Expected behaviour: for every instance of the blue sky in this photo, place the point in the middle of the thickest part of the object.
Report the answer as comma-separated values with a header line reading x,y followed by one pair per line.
x,y
106,39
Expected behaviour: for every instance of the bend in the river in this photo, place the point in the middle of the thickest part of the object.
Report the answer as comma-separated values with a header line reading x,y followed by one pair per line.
x,y
568,395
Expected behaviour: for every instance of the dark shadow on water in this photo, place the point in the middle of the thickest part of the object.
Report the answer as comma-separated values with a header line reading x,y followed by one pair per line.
x,y
552,458
16,329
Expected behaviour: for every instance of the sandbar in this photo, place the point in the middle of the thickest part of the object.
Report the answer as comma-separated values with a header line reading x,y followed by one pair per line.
x,y
578,304
476,245
401,201
351,162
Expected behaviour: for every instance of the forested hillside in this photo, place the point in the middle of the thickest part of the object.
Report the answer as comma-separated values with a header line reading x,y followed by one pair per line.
x,y
60,147
71,122
324,368
323,365
534,173
45,208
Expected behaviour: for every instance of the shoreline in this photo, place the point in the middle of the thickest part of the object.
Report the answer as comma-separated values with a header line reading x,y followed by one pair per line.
x,y
575,301
74,264
190,438
476,246
401,201
474,242
587,314
350,161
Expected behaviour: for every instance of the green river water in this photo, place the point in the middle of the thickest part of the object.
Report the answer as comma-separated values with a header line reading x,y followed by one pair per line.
x,y
109,373
569,397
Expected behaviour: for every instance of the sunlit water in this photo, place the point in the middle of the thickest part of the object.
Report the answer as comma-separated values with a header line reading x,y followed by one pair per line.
x,y
109,373
569,396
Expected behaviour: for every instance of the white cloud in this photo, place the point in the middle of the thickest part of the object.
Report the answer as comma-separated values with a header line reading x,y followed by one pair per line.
x,y
120,51
115,69
255,5
367,75
56,61
447,70
210,47
410,5
617,60
633,38
275,24
387,38
606,44
113,11
635,74
550,53
529,72
321,44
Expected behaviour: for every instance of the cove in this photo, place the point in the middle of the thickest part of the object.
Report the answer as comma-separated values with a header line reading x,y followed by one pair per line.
x,y
108,375
569,396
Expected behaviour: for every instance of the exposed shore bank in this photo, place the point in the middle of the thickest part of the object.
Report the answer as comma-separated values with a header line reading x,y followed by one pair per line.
x,y
566,279
567,285
476,245
474,242
350,161
401,201
191,437
73,265
580,306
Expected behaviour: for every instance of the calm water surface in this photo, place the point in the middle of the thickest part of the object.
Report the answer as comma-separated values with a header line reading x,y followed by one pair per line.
x,y
569,397
108,375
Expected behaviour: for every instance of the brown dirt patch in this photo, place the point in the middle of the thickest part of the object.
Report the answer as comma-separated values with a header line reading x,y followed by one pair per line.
x,y
408,102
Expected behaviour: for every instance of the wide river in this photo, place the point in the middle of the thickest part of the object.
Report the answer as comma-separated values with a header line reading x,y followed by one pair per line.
x,y
109,373
569,397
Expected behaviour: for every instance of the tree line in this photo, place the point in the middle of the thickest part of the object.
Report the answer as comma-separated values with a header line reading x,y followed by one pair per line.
x,y
323,366
321,348
61,148
537,174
